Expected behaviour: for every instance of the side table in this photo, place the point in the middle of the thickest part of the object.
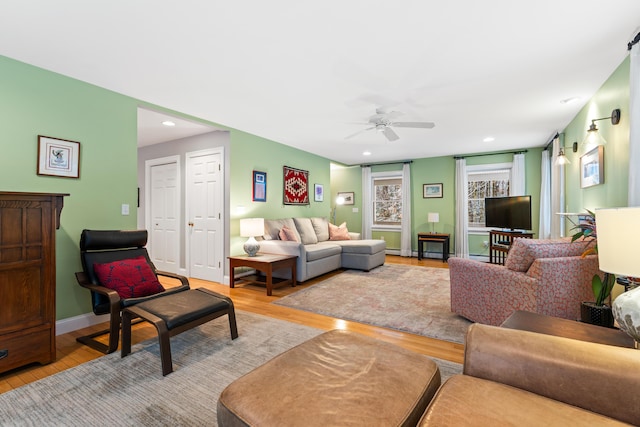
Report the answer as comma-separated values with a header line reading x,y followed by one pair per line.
x,y
434,237
266,263
533,322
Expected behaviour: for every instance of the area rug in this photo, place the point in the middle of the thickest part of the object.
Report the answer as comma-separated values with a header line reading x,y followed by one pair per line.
x,y
111,391
407,298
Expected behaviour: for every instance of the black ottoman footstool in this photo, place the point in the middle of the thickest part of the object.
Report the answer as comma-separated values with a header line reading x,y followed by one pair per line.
x,y
176,313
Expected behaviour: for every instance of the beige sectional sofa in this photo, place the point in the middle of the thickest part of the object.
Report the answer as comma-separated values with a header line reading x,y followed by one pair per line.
x,y
317,254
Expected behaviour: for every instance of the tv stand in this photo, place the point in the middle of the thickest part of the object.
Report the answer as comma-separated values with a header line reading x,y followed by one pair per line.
x,y
500,243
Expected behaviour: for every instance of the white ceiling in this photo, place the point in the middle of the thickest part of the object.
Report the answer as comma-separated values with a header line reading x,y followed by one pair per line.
x,y
309,74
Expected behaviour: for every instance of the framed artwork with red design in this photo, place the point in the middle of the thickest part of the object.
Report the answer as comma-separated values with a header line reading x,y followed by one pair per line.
x,y
296,186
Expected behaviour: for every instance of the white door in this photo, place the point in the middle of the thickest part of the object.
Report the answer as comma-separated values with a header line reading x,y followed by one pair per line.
x,y
205,200
163,213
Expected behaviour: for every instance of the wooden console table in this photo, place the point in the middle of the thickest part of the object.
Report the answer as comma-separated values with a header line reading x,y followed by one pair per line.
x,y
266,263
500,242
533,322
434,237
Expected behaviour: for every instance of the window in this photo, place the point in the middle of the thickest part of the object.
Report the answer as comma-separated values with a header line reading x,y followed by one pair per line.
x,y
485,181
387,201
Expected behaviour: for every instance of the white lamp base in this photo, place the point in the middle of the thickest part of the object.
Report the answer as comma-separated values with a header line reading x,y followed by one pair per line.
x,y
626,310
251,246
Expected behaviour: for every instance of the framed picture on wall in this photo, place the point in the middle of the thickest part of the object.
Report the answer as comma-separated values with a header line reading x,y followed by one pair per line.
x,y
58,157
296,186
592,168
259,186
431,191
318,193
348,197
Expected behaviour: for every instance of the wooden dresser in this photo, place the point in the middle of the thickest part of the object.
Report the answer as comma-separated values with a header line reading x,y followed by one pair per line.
x,y
28,223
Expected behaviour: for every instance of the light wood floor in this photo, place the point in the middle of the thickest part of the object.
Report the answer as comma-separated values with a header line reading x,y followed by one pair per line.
x,y
252,299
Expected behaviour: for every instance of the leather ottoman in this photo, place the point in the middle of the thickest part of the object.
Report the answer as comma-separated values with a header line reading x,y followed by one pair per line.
x,y
337,378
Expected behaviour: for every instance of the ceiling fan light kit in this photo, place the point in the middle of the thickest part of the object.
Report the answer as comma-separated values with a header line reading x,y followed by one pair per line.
x,y
381,122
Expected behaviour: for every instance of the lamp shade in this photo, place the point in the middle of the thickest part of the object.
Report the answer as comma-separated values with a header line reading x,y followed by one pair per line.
x,y
251,227
618,233
433,217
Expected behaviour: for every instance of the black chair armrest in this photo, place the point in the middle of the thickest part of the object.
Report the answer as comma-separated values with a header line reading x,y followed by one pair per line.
x,y
182,279
83,280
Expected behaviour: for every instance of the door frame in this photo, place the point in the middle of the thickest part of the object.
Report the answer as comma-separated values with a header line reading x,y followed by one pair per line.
x,y
188,156
147,197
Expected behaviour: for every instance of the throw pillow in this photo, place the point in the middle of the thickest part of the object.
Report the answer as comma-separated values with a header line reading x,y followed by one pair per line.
x,y
321,227
130,278
288,234
306,231
339,232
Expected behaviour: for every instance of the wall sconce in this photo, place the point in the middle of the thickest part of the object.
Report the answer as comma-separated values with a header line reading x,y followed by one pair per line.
x,y
593,137
562,158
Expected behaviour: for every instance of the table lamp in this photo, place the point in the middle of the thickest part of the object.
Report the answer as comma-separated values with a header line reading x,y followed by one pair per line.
x,y
433,217
618,231
251,227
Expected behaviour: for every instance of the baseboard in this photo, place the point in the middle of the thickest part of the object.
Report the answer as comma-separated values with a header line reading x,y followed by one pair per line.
x,y
71,324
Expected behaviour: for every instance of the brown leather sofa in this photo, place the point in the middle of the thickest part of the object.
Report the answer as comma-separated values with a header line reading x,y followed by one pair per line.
x,y
519,378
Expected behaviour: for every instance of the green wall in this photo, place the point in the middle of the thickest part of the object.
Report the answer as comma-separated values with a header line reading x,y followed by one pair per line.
x,y
37,102
614,93
249,153
429,171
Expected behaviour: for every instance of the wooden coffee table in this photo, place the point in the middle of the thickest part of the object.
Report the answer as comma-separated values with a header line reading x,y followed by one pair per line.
x,y
266,263
548,325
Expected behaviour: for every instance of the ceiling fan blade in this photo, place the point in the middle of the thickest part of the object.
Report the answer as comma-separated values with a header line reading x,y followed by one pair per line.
x,y
390,134
423,125
359,132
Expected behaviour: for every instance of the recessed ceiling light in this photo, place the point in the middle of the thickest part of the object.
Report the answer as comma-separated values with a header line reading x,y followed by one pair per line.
x,y
366,153
168,123
489,139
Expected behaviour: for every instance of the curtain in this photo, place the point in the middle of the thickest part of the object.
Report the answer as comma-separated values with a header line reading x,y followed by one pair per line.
x,y
405,233
634,124
557,192
517,187
366,202
462,213
544,228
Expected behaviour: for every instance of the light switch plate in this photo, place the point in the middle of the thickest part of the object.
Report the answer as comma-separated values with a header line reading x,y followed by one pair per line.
x,y
354,210
125,209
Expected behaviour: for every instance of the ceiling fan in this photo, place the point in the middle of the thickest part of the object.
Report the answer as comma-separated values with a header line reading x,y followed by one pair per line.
x,y
383,122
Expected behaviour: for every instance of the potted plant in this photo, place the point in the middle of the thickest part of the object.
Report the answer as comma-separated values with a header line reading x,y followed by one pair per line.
x,y
597,312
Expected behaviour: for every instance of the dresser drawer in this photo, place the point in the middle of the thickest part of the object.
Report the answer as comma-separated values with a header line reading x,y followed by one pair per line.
x,y
26,347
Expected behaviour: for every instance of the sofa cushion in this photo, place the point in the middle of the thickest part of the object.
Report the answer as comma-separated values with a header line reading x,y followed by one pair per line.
x,y
321,227
365,247
306,231
466,400
339,232
321,250
272,228
524,251
288,234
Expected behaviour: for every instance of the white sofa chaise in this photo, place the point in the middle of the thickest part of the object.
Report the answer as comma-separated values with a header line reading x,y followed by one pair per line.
x,y
317,254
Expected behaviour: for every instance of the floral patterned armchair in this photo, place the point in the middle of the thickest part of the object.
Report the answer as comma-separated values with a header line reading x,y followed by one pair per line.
x,y
542,276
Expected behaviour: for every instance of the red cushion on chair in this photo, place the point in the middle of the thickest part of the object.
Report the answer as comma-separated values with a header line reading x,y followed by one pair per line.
x,y
130,278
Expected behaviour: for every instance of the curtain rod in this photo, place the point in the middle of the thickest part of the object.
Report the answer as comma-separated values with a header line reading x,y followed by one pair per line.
x,y
490,154
634,41
385,163
546,147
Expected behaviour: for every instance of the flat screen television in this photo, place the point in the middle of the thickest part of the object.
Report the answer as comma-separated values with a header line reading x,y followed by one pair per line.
x,y
513,213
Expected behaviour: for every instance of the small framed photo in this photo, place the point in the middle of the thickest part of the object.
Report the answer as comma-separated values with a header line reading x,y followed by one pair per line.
x,y
349,198
259,186
592,168
431,191
58,157
318,193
